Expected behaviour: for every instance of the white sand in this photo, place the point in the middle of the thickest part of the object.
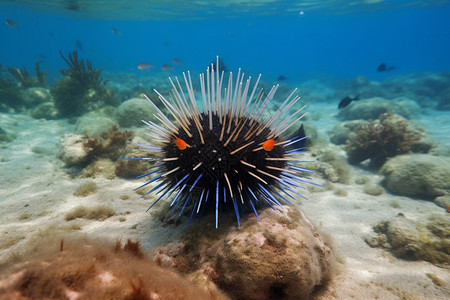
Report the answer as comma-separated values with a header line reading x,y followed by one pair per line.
x,y
36,193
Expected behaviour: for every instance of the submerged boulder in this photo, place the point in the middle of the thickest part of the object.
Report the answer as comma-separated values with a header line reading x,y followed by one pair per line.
x,y
373,107
418,175
415,240
133,111
280,257
95,271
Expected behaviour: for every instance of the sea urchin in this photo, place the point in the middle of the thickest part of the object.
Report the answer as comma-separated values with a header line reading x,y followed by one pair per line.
x,y
227,154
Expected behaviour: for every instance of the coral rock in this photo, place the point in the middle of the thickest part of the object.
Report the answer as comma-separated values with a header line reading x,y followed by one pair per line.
x,y
415,240
93,124
418,175
280,257
71,150
389,136
340,133
99,272
131,112
373,107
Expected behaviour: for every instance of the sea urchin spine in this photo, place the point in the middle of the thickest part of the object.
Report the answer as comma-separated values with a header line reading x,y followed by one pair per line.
x,y
227,153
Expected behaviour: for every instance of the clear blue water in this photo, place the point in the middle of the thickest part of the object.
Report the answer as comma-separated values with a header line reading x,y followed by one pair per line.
x,y
334,38
321,46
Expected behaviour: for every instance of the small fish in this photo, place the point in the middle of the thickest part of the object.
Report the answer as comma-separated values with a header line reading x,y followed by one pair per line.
x,y
167,67
346,101
383,67
301,139
281,78
145,66
79,45
116,31
12,24
177,61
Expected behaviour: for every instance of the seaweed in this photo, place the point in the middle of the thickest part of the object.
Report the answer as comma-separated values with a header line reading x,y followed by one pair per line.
x,y
82,89
25,80
82,72
10,96
111,144
380,139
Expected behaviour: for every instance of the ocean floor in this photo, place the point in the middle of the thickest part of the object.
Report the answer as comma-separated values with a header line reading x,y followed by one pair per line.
x,y
37,192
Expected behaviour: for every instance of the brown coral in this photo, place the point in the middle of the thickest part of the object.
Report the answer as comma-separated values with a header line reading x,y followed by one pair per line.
x,y
380,139
111,144
89,271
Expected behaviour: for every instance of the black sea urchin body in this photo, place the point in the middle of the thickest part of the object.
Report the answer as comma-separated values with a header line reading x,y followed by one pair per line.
x,y
230,155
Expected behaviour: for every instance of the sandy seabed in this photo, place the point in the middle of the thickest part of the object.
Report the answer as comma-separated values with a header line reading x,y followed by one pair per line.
x,y
36,193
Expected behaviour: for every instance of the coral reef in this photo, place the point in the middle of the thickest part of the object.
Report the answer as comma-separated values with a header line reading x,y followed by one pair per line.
x,y
93,271
91,156
389,136
414,240
79,150
82,89
418,175
111,144
280,257
426,89
331,165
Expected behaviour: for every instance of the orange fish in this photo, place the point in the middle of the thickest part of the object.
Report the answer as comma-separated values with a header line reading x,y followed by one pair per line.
x,y
177,61
12,24
144,66
167,67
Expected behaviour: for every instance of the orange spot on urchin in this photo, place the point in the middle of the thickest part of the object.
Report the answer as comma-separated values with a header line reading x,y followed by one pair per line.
x,y
180,144
269,144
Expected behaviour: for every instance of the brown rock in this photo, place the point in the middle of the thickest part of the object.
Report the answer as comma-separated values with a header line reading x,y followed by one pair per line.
x,y
280,257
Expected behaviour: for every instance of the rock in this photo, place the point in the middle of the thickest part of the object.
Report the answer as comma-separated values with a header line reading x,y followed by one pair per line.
x,y
443,201
33,96
417,175
280,257
93,124
46,110
133,168
330,165
413,240
89,271
133,111
71,150
372,108
340,133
